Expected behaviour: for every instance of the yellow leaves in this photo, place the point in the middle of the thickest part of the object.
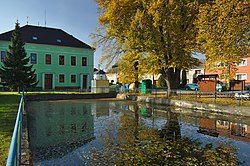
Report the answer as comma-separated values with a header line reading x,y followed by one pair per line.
x,y
222,27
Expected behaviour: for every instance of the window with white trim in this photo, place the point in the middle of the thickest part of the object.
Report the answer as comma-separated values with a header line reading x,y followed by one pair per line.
x,y
241,76
242,63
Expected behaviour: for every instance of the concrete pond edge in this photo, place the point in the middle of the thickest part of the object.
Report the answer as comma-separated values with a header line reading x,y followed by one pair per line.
x,y
228,109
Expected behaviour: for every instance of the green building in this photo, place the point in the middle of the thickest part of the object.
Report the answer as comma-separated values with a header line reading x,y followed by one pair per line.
x,y
61,61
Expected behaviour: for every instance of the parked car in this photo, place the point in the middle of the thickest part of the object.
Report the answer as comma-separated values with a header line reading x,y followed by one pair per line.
x,y
191,87
220,87
244,95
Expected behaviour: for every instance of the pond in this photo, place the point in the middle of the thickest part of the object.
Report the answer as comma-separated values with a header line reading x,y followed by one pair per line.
x,y
109,132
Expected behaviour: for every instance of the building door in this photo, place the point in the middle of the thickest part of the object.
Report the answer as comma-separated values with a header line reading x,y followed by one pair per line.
x,y
48,81
84,81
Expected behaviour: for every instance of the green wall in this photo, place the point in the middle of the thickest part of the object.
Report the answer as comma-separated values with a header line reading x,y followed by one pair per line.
x,y
56,69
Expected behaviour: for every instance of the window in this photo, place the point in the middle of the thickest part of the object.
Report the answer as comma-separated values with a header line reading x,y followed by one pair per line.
x,y
34,38
61,78
61,60
241,76
73,61
33,58
48,59
73,78
3,55
84,61
58,40
197,71
242,63
221,65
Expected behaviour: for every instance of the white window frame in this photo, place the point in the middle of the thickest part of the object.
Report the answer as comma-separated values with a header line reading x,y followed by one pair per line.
x,y
241,63
241,76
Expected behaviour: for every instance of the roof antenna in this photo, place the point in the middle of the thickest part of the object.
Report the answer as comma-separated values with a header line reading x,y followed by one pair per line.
x,y
38,23
27,20
45,17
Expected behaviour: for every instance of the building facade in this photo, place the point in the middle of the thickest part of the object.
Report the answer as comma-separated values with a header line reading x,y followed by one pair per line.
x,y
61,61
242,70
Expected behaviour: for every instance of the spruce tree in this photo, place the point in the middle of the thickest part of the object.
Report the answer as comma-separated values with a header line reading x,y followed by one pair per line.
x,y
15,72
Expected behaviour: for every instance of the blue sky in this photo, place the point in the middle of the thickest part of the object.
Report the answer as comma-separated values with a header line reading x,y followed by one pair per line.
x,y
77,17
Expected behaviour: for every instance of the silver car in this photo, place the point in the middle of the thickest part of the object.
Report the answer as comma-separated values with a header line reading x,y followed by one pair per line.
x,y
244,95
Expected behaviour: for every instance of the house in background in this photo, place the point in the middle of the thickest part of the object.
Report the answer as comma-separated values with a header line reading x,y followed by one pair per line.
x,y
194,72
61,61
242,72
113,75
99,74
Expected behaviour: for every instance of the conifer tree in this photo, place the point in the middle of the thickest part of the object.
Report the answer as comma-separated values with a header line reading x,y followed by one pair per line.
x,y
15,72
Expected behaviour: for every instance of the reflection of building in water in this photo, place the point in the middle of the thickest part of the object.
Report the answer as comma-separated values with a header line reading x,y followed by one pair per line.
x,y
232,130
52,124
235,130
99,110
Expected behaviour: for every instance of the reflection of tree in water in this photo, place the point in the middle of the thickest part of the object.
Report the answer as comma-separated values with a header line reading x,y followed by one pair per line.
x,y
172,128
136,144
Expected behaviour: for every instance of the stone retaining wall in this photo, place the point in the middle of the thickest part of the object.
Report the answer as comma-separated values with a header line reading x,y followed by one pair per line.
x,y
42,97
235,110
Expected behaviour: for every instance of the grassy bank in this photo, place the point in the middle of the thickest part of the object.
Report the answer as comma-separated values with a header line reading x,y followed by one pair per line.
x,y
8,109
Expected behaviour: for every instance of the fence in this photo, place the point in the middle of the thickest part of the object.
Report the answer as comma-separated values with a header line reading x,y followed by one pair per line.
x,y
14,156
225,97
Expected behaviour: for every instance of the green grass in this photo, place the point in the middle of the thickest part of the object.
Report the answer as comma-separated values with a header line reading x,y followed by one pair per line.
x,y
8,109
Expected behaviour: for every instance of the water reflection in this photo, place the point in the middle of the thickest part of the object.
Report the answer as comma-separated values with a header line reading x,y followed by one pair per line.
x,y
55,129
63,131
171,129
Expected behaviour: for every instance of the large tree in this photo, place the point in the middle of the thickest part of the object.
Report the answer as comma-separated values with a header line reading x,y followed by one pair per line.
x,y
224,33
162,30
15,71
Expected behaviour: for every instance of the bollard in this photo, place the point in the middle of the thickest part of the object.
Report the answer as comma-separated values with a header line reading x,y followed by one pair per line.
x,y
196,92
214,97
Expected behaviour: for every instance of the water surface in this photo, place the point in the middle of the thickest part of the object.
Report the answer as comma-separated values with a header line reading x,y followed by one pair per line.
x,y
70,132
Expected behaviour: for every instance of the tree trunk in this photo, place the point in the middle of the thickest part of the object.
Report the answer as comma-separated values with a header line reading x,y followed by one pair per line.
x,y
172,77
183,78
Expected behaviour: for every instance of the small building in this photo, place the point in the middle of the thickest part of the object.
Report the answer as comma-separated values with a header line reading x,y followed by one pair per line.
x,y
237,85
100,75
100,83
61,61
208,82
